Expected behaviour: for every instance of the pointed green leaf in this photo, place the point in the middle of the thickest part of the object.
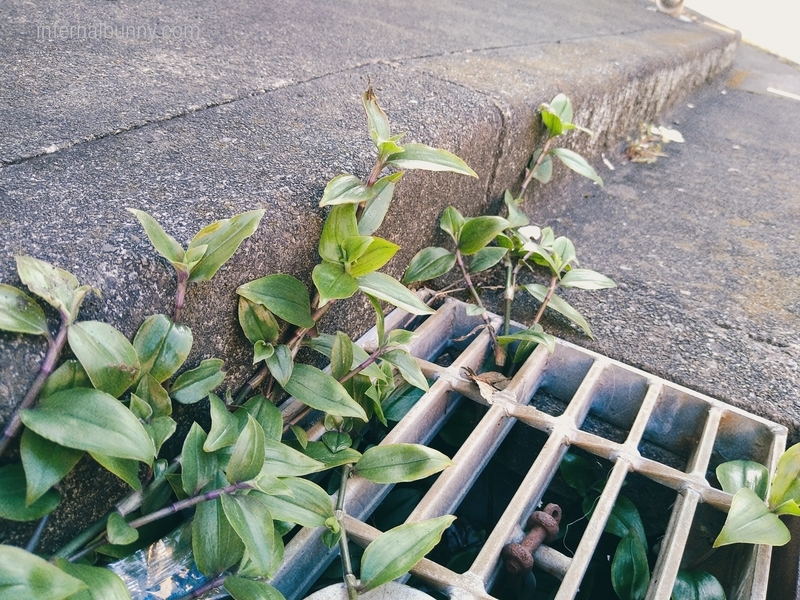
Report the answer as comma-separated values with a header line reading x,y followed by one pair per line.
x,y
786,482
336,441
332,282
346,189
12,498
377,122
300,435
737,474
224,426
486,258
586,279
57,287
247,456
516,216
751,522
625,519
377,254
197,466
124,468
630,572
577,163
559,305
69,375
162,346
354,247
222,239
308,505
20,313
283,295
119,532
160,429
103,584
478,232
90,420
141,409
408,367
284,461
215,544
108,357
394,463
281,364
152,392
376,209
697,585
257,322
339,227
452,222
341,355
388,289
196,384
26,576
577,473
420,156
543,172
323,454
534,335
262,351
322,392
395,552
46,463
323,344
429,263
247,589
166,245
250,518
267,414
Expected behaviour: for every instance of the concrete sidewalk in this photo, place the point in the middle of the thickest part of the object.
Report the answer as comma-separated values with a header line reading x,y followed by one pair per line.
x,y
256,105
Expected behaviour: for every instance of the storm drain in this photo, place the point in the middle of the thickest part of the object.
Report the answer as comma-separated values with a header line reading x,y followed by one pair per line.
x,y
640,425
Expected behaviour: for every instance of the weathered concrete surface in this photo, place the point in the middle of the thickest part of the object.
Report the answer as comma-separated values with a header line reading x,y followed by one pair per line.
x,y
261,110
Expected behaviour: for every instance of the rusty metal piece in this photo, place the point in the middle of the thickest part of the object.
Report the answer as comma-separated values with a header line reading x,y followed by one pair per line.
x,y
543,527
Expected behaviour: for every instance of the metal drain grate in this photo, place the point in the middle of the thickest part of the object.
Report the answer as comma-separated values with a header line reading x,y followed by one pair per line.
x,y
652,413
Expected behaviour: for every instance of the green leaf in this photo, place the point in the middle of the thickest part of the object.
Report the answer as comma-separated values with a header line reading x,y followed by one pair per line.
x,y
397,551
12,498
103,584
124,468
339,227
408,367
152,392
486,258
46,463
332,282
247,589
516,216
586,279
222,239
197,466
160,429
377,254
57,287
452,222
322,392
247,457
534,335
162,346
737,474
257,322
630,572
577,163
90,420
166,245
267,414
215,544
341,355
346,189
420,156
478,232
323,344
283,295
751,522
195,384
429,263
108,357
401,401
26,576
119,532
281,364
557,114
69,375
377,122
141,409
390,290
394,463
300,435
323,454
401,337
577,473
250,518
336,441
625,519
786,482
224,426
543,172
20,313
696,585
284,461
376,209
308,505
262,351
559,305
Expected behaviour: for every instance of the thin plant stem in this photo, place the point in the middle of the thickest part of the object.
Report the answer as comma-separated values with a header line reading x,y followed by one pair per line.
x,y
367,362
344,548
48,366
206,587
180,294
508,297
550,291
532,170
37,535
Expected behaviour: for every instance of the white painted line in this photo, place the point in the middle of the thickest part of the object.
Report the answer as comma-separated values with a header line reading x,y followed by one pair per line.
x,y
784,94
